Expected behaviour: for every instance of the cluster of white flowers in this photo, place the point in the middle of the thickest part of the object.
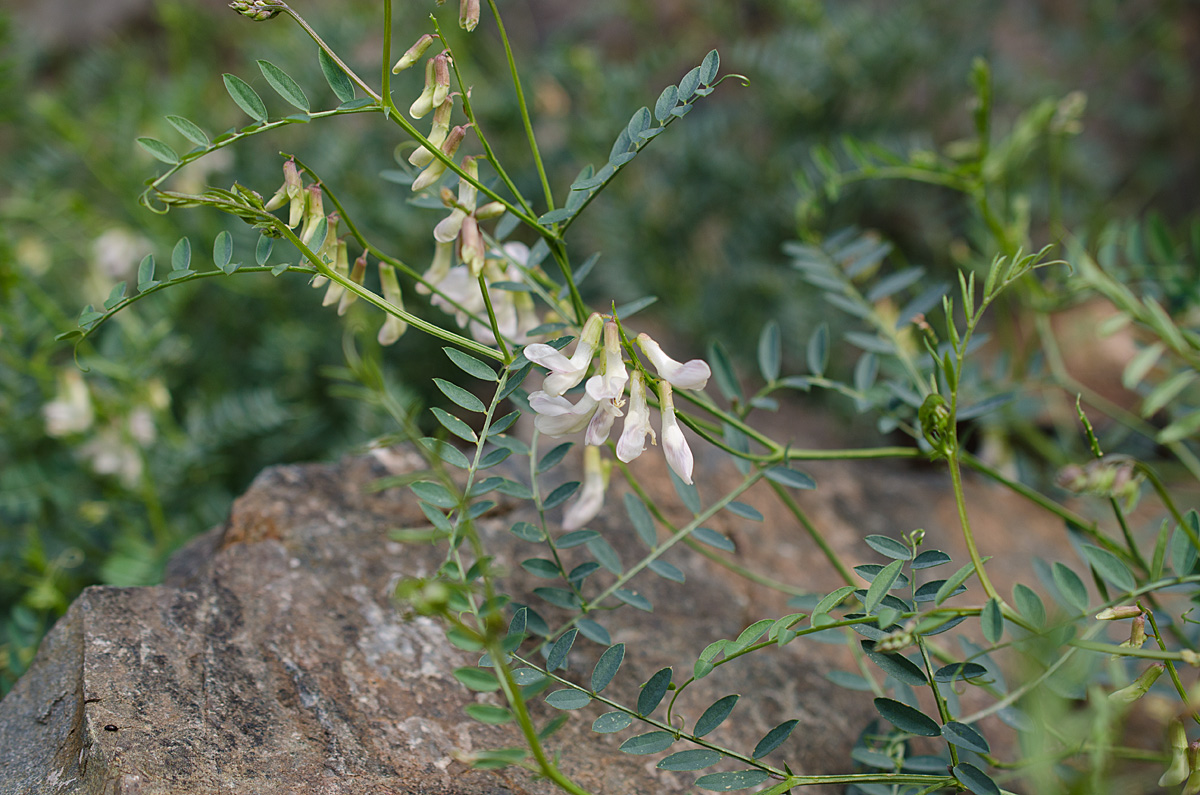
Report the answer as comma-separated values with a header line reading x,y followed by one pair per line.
x,y
602,402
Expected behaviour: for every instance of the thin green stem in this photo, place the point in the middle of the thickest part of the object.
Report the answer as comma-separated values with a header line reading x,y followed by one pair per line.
x,y
968,536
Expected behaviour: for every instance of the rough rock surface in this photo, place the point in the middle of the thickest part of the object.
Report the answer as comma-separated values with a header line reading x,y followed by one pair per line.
x,y
272,659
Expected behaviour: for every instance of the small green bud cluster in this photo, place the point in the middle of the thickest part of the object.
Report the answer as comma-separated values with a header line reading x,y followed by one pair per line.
x,y
257,10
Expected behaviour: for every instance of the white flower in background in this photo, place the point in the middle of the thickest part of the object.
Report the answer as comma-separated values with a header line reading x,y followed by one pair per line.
x,y
109,454
590,500
611,383
141,426
557,416
116,253
71,410
693,374
566,373
637,421
675,447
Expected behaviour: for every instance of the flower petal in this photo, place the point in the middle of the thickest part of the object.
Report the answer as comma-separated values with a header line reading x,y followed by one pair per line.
x,y
693,374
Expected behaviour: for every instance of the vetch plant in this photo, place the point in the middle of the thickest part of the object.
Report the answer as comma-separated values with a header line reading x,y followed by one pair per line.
x,y
517,310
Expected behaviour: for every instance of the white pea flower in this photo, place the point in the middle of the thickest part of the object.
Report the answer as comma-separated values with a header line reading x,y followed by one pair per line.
x,y
557,416
693,374
610,384
566,373
590,500
602,422
675,447
637,421
71,410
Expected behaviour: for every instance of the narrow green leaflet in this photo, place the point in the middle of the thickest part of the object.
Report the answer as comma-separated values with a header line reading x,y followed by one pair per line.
x,y
477,679
454,425
959,670
992,621
666,570
552,458
1110,567
181,255
649,743
245,97
930,558
900,668
540,567
447,452
461,397
975,779
561,494
715,715
906,718
888,547
470,365
694,759
434,494
773,739
732,780
748,636
791,478
687,492
159,150
568,699
284,85
607,667
714,539
488,713
881,584
634,599
189,130
222,250
145,274
832,600
770,352
745,511
653,691
343,89
965,736
642,521
611,722
818,350
557,657
605,555
1070,587
951,585
594,632
262,250
723,373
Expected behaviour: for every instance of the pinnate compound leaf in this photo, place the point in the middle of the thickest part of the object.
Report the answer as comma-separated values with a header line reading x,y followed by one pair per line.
x,y
568,698
284,85
694,759
965,736
715,715
773,739
246,97
732,780
343,89
470,365
607,667
611,722
653,691
159,150
1110,567
189,130
975,779
906,718
649,743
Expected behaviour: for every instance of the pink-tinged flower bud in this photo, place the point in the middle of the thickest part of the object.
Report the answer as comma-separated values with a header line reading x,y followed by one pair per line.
x,y
357,274
413,53
1137,632
468,14
424,102
1119,612
693,374
393,326
314,211
490,210
443,255
422,157
1139,687
433,172
611,384
557,416
587,505
441,79
341,266
637,421
295,191
566,373
471,249
1192,787
675,447
449,227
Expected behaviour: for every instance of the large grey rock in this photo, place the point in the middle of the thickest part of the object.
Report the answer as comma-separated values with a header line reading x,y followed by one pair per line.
x,y
273,660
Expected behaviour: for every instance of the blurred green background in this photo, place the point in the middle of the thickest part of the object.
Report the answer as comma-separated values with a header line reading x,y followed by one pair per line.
x,y
189,394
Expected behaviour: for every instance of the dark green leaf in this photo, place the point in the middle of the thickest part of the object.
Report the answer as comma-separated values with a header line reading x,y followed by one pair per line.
x,y
454,425
975,779
714,539
470,365
343,89
709,67
487,713
951,585
593,631
790,477
748,636
723,374
930,558
611,722
493,457
715,715
568,699
1029,604
145,274
897,666
832,600
888,547
665,570
818,350
576,538
540,567
284,85
666,103
1071,587
770,352
963,670
501,425
159,150
188,130
689,84
906,718
1110,567
634,599
561,494
732,780
477,679
446,451
773,739
460,396
262,250
965,736
881,584
434,494
642,521
245,97
222,249
686,491
605,555
557,658
559,597
694,759
527,532
743,510
653,691
992,621
929,591
607,666
552,458
181,255
649,743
